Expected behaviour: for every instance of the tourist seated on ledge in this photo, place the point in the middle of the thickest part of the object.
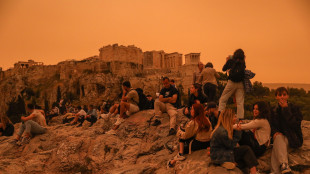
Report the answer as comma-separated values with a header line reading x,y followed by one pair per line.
x,y
78,116
6,126
167,104
34,124
52,113
223,149
196,96
285,122
90,116
257,135
195,135
212,113
128,105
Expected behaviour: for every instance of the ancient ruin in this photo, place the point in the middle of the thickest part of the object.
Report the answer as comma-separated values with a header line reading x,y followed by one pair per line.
x,y
30,63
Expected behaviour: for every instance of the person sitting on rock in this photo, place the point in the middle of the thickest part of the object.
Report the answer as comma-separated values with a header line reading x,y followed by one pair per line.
x,y
285,122
113,111
196,97
53,113
128,105
6,126
172,82
166,103
213,113
196,134
259,135
79,116
150,102
90,116
34,124
223,150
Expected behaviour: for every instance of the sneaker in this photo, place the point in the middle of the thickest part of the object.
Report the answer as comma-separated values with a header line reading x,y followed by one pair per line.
x,y
169,165
172,132
25,140
156,122
111,132
229,165
179,157
119,121
285,168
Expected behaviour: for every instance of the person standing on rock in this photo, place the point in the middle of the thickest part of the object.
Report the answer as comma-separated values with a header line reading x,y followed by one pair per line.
x,y
128,105
196,134
6,126
208,80
285,122
223,149
197,74
236,67
167,103
34,124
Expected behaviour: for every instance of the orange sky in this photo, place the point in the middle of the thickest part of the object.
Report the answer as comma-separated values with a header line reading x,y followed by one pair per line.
x,y
275,34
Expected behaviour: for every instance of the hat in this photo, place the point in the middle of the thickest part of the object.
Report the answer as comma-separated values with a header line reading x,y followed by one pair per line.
x,y
211,105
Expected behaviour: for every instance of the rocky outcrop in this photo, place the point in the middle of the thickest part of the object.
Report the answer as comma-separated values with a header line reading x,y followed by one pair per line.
x,y
137,148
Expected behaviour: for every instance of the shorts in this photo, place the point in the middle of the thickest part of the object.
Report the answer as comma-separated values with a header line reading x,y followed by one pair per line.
x,y
132,109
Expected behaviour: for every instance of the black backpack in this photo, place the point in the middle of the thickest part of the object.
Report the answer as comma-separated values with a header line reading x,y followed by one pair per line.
x,y
142,99
236,73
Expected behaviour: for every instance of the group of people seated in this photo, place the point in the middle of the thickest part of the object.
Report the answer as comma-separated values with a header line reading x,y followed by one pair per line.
x,y
229,141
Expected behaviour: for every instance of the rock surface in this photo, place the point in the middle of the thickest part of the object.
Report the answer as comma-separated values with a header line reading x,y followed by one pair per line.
x,y
137,148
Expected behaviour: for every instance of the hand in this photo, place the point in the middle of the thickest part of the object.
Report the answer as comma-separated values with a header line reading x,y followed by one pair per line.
x,y
275,135
186,111
22,118
283,103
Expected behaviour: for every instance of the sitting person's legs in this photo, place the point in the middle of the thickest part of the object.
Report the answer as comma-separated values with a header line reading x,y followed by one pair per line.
x,y
279,153
159,107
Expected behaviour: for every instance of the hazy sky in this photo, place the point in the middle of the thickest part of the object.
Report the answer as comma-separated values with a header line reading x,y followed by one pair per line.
x,y
275,34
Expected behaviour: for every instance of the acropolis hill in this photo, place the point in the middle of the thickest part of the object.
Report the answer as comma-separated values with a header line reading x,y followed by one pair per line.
x,y
97,78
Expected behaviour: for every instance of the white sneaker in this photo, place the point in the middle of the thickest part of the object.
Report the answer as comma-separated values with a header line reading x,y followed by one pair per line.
x,y
119,121
111,132
178,157
229,165
105,116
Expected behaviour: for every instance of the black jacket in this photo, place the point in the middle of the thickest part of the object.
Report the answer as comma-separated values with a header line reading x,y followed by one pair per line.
x,y
288,122
236,70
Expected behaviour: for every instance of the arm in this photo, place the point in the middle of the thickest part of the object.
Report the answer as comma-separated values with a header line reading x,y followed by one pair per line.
x,y
164,100
27,118
216,74
189,130
252,125
173,99
227,65
200,77
292,115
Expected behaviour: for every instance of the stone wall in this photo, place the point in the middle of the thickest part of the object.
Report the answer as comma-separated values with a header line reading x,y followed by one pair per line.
x,y
121,53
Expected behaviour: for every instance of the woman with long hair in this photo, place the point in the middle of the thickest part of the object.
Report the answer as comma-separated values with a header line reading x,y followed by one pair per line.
x,y
6,126
223,150
258,135
196,134
196,96
236,67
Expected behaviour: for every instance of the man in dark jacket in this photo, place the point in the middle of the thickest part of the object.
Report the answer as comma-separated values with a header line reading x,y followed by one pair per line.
x,y
285,125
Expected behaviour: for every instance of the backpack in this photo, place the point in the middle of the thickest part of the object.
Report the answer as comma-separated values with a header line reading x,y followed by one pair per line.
x,y
236,73
142,99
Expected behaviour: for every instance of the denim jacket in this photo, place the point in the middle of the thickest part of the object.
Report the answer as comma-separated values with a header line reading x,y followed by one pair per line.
x,y
221,147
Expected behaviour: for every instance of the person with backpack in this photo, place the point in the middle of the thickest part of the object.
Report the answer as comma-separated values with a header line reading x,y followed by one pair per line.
x,y
128,106
236,67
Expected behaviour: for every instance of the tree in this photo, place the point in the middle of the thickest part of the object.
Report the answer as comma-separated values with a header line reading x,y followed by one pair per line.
x,y
58,94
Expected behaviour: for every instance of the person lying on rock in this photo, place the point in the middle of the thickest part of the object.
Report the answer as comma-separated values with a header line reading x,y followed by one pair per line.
x,y
167,103
6,126
90,116
258,138
285,122
195,135
196,97
79,116
128,105
34,124
223,149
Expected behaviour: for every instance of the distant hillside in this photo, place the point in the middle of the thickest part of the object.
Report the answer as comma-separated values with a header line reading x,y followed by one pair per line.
x,y
291,85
